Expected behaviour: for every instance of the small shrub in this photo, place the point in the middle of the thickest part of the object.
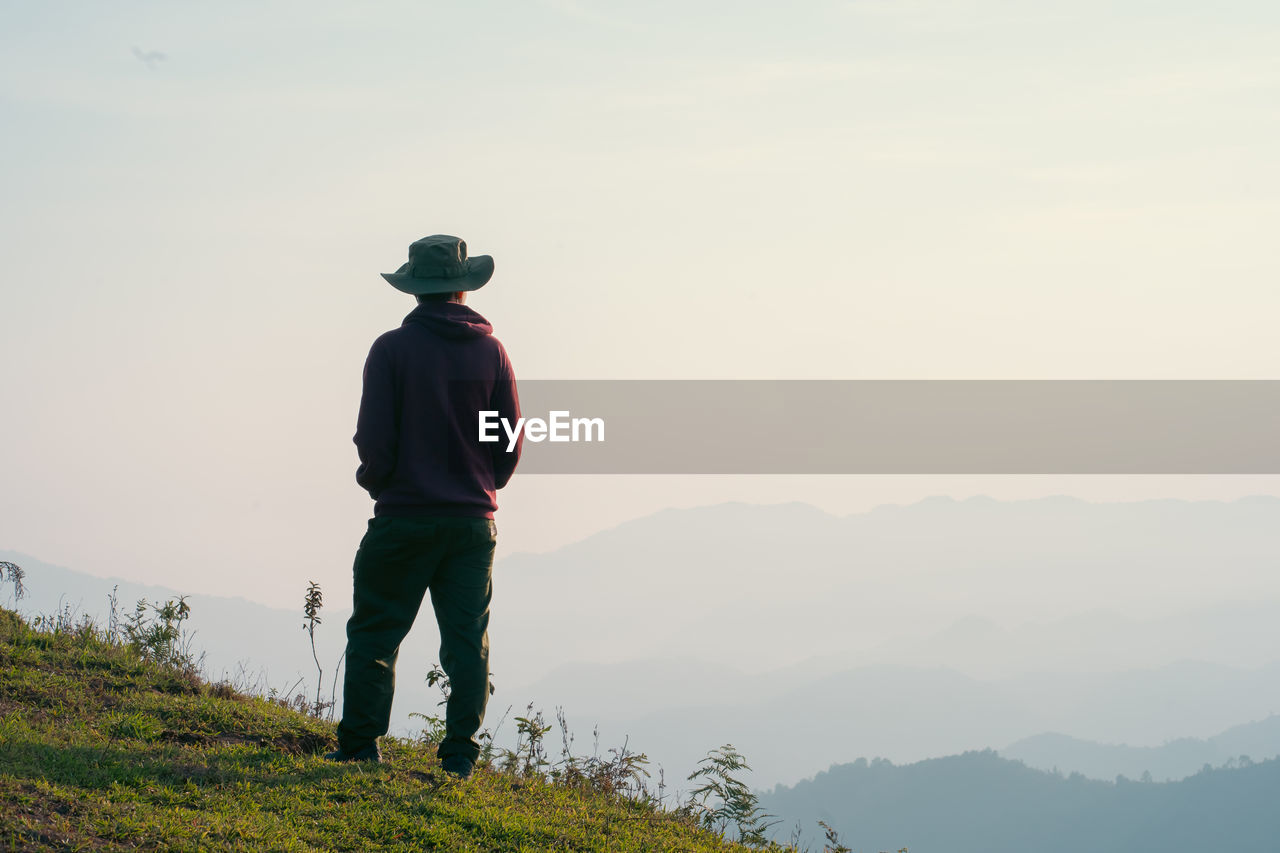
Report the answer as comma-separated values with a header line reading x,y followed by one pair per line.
x,y
734,805
311,606
529,758
155,632
832,844
14,574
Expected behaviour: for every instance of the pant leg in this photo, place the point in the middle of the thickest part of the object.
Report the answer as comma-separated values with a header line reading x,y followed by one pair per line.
x,y
460,594
393,566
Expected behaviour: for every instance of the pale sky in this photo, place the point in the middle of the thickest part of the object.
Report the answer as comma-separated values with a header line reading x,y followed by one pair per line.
x,y
861,189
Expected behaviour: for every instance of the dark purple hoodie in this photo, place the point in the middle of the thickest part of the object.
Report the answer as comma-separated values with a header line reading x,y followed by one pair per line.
x,y
424,385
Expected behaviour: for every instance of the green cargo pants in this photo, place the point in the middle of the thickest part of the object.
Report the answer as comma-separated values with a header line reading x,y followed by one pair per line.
x,y
399,559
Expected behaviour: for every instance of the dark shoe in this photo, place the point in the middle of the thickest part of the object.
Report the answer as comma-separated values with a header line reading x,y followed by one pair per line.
x,y
457,766
370,753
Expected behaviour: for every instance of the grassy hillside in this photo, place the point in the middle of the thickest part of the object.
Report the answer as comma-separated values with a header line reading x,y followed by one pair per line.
x,y
103,749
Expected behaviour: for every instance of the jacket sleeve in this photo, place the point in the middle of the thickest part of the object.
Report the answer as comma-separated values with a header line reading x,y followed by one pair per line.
x,y
377,426
506,401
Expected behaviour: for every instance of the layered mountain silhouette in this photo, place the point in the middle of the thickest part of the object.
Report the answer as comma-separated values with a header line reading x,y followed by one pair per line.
x,y
980,803
1173,760
907,632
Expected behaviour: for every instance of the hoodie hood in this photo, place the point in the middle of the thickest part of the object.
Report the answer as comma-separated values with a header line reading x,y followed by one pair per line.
x,y
451,320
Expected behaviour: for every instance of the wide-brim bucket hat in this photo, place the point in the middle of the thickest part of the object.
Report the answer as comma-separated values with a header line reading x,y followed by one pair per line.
x,y
439,264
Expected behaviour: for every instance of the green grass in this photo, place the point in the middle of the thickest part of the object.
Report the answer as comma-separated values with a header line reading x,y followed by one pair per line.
x,y
103,750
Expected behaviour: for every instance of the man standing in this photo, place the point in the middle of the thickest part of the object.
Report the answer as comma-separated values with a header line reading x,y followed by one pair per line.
x,y
434,486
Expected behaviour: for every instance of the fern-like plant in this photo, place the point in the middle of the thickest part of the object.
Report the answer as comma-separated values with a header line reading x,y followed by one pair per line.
x,y
723,800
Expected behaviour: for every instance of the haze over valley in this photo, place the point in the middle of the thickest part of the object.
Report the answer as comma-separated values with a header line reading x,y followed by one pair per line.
x,y
908,632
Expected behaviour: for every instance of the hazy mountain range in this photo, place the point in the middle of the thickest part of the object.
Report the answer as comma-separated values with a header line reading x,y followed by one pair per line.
x,y
807,639
1173,760
771,586
981,803
907,714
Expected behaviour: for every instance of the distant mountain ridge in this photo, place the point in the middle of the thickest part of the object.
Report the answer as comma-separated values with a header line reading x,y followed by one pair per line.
x,y
907,714
1176,759
979,802
776,585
